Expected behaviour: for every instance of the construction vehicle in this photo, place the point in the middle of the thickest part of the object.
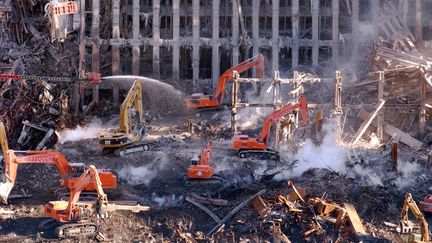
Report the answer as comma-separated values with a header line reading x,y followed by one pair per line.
x,y
201,171
57,8
425,205
245,145
127,138
407,226
202,101
73,218
91,77
69,172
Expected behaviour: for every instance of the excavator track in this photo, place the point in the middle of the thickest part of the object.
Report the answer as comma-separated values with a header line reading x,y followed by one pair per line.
x,y
132,149
260,154
214,180
76,230
48,225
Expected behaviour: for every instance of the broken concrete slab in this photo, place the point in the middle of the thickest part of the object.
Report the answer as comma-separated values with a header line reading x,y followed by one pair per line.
x,y
391,130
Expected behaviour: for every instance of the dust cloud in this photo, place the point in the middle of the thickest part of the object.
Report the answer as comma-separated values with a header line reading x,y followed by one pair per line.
x,y
146,173
80,133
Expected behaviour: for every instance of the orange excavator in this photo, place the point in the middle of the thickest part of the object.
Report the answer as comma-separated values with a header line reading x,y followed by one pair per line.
x,y
202,101
245,145
73,218
69,172
201,171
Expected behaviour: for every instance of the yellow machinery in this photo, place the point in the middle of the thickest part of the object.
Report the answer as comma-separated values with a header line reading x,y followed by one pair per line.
x,y
407,226
127,138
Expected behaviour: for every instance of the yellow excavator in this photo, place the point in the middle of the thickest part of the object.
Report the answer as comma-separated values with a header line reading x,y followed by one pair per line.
x,y
127,138
407,226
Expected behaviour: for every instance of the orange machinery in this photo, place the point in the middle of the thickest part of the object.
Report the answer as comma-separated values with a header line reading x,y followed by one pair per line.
x,y
201,101
73,217
201,171
57,8
69,172
245,145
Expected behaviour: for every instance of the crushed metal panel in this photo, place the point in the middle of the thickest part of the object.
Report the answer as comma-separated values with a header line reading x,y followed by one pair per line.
x,y
354,219
260,206
292,196
322,207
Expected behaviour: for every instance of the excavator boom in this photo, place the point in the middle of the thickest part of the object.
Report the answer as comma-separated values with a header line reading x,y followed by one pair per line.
x,y
200,101
75,211
203,171
410,205
281,112
244,144
67,170
126,139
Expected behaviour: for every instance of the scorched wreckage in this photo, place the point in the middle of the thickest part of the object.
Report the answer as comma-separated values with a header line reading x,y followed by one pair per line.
x,y
215,121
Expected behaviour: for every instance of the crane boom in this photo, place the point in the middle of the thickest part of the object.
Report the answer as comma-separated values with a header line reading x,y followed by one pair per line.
x,y
91,77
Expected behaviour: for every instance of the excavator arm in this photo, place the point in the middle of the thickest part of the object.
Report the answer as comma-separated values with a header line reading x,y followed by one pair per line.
x,y
13,158
410,205
205,155
256,61
281,112
90,176
201,101
134,97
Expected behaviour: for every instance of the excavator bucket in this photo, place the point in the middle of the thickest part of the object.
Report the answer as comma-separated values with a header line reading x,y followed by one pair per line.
x,y
5,189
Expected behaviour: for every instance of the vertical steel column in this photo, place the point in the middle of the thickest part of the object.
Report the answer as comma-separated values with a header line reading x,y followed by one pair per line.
x,y
195,41
295,33
176,40
115,47
215,43
96,44
156,38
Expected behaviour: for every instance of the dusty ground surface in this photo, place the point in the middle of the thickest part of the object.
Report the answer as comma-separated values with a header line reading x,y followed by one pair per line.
x,y
155,179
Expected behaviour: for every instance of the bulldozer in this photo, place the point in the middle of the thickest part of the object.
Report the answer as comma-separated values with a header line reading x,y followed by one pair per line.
x,y
127,138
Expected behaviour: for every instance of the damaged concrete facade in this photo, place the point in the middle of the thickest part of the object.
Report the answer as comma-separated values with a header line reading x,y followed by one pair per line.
x,y
197,40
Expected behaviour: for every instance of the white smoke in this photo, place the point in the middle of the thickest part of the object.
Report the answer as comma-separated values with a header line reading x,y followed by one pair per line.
x,y
327,155
408,174
250,117
167,201
89,131
146,173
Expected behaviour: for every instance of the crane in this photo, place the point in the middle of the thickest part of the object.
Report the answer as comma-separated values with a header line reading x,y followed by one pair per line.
x,y
201,171
244,145
126,139
201,101
410,204
74,217
69,171
91,77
